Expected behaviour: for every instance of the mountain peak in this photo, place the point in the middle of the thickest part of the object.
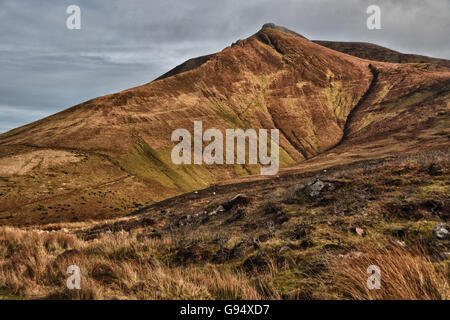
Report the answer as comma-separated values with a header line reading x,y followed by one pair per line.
x,y
271,25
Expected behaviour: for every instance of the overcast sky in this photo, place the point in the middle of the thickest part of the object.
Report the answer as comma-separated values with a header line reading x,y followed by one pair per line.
x,y
46,67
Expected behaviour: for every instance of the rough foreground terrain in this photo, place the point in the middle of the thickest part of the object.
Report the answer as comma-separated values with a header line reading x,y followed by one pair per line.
x,y
300,236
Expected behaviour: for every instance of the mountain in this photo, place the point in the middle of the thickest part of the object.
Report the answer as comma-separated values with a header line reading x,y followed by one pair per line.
x,y
111,155
375,52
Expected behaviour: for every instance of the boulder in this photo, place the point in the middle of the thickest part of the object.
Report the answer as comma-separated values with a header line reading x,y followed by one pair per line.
x,y
315,189
441,231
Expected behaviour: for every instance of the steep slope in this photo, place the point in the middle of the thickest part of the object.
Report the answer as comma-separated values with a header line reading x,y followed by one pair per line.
x,y
375,52
406,110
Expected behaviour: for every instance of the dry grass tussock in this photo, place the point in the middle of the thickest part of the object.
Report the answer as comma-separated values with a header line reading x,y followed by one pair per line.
x,y
33,265
406,274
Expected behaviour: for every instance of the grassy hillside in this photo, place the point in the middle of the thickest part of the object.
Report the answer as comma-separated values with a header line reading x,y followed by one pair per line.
x,y
282,239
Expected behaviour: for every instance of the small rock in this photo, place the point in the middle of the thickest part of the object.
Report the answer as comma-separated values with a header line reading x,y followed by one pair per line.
x,y
65,230
108,232
314,189
441,231
360,232
216,211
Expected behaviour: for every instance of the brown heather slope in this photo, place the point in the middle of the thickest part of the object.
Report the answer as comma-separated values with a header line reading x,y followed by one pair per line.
x,y
273,79
375,52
